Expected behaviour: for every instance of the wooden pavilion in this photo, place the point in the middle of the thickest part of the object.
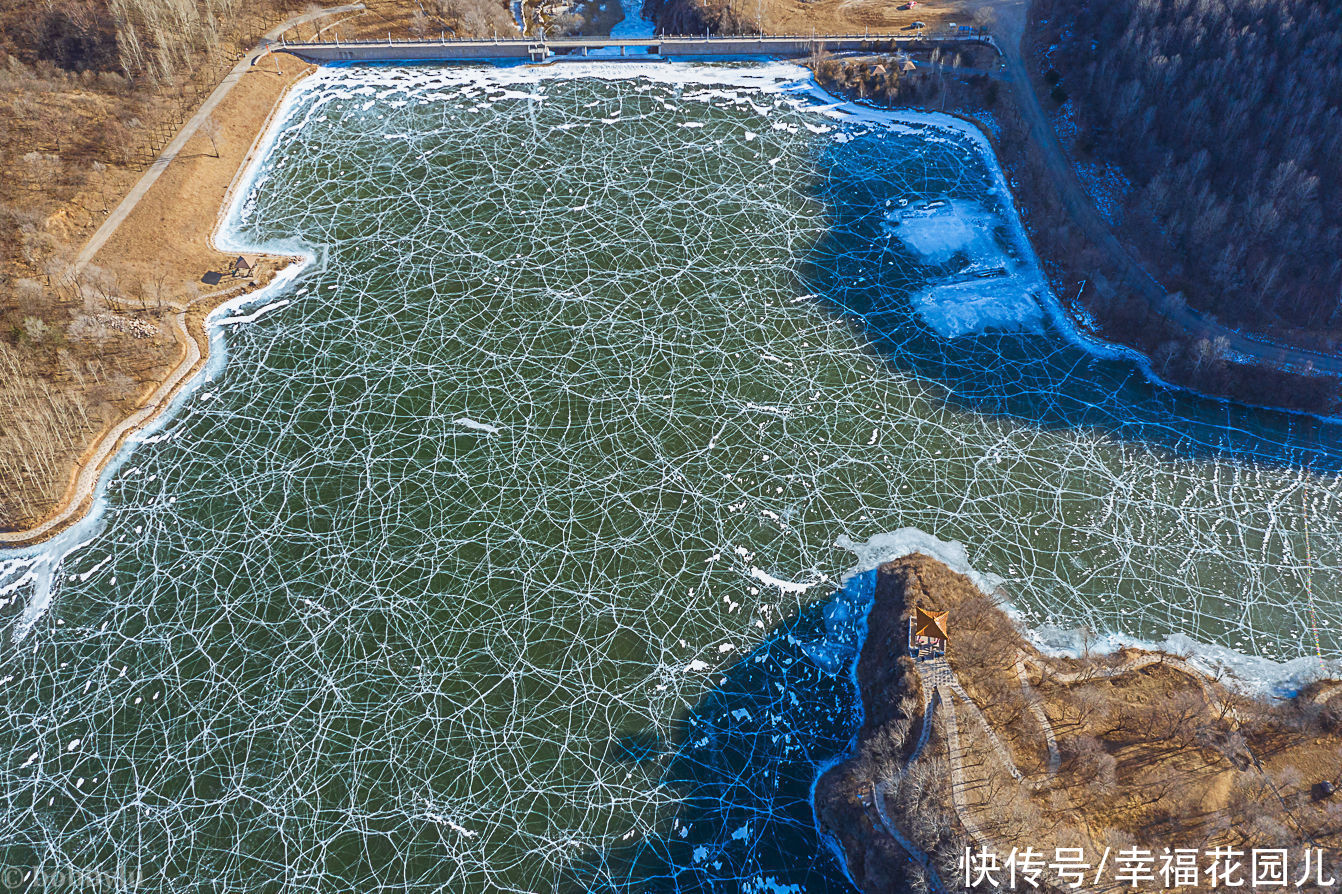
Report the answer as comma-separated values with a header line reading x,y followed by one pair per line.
x,y
928,630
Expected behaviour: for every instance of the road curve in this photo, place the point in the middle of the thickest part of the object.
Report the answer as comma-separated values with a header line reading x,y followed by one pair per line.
x,y
170,152
1011,20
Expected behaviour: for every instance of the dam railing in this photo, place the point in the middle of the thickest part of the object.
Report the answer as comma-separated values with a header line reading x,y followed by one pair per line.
x,y
461,49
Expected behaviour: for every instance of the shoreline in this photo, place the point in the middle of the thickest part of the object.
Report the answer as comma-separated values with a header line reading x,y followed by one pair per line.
x,y
1096,336
1064,322
193,343
1277,679
199,354
190,330
47,554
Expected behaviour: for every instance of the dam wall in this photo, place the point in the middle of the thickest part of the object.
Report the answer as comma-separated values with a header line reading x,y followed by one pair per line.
x,y
536,50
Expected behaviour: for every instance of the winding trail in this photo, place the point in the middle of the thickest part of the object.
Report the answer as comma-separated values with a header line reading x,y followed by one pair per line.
x,y
941,690
1037,709
959,784
1011,17
954,687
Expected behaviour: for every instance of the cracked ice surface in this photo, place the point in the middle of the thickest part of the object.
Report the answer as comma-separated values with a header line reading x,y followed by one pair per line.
x,y
565,416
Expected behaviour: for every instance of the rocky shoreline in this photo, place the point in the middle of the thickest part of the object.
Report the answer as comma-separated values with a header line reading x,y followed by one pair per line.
x,y
892,698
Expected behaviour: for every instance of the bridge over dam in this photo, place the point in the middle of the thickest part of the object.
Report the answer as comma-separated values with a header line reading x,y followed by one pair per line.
x,y
679,46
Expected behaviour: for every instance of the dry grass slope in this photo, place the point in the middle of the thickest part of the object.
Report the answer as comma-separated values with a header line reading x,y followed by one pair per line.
x,y
90,92
1151,752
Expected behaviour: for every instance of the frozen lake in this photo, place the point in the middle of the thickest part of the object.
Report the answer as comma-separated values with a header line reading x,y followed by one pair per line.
x,y
590,370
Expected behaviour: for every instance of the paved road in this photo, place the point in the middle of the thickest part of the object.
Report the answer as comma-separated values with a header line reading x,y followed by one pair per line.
x,y
170,152
87,476
560,48
1011,20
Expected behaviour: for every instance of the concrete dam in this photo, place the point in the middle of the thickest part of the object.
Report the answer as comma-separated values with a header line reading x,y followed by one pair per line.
x,y
680,46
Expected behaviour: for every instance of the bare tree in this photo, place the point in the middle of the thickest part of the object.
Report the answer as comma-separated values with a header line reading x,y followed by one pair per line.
x,y
29,295
210,127
101,170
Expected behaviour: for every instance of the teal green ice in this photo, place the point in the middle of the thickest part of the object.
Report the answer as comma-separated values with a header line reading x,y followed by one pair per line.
x,y
585,379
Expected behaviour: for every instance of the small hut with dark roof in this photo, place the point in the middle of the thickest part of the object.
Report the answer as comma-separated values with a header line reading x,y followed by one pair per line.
x,y
241,267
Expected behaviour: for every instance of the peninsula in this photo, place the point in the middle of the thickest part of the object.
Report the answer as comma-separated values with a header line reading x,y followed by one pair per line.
x,y
997,747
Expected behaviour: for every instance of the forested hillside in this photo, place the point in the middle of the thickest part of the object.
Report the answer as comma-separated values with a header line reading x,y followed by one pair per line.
x,y
1226,116
155,38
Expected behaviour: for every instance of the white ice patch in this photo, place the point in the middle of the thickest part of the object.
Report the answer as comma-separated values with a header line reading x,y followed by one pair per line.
x,y
329,84
467,422
256,314
37,571
886,547
975,306
768,884
768,408
785,586
1249,674
936,231
435,815
991,290
83,578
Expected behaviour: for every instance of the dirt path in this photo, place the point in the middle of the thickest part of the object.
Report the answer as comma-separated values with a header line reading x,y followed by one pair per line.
x,y
174,148
1037,709
1011,17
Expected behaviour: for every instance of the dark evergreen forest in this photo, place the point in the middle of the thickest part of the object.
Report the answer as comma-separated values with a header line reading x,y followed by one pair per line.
x,y
1226,116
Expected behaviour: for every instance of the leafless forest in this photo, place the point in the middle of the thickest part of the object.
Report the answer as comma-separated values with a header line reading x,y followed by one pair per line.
x,y
90,92
1226,117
